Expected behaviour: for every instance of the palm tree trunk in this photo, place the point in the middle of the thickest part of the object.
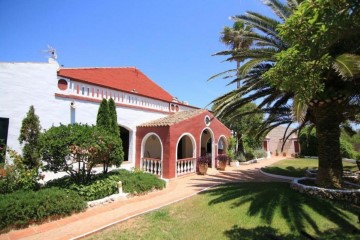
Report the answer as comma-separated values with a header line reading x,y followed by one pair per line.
x,y
238,84
327,117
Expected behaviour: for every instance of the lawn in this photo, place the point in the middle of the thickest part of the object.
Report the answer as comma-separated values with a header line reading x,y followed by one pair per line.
x,y
296,167
248,210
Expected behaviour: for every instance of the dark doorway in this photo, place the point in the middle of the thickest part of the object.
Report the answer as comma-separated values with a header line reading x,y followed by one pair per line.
x,y
124,135
4,127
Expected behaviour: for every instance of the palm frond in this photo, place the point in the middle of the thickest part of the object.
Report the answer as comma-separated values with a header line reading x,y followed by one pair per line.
x,y
262,23
281,10
222,74
292,3
347,65
299,109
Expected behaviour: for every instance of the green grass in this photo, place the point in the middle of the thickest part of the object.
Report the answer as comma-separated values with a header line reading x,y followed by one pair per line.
x,y
296,167
243,211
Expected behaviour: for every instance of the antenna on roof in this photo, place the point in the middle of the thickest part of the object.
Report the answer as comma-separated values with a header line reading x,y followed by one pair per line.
x,y
51,51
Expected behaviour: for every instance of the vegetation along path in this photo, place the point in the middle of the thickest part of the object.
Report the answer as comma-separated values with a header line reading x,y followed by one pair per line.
x,y
100,217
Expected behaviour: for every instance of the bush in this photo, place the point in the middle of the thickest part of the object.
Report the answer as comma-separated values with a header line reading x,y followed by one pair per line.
x,y
241,157
249,155
260,153
20,208
77,148
17,176
346,149
308,142
103,185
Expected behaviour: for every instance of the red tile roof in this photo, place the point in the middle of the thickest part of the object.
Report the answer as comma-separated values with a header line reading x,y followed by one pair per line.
x,y
172,119
128,79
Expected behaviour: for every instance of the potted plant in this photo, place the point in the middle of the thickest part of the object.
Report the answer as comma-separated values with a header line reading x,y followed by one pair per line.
x,y
203,163
223,158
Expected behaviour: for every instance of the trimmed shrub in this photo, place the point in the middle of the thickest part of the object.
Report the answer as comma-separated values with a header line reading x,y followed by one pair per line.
x,y
103,185
21,208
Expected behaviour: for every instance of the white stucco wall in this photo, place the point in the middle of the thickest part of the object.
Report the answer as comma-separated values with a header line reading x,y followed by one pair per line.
x,y
275,141
25,84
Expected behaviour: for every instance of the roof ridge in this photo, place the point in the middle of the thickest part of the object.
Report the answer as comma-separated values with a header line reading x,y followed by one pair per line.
x,y
79,68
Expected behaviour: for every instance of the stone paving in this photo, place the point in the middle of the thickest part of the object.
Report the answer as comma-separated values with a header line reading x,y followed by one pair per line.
x,y
100,217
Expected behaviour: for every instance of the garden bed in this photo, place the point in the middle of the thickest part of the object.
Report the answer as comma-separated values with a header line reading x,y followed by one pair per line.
x,y
306,185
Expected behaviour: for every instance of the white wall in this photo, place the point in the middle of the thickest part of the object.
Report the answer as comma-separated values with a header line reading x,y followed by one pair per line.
x,y
25,84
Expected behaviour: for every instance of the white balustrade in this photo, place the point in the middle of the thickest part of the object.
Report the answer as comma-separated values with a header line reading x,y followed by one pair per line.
x,y
184,166
151,165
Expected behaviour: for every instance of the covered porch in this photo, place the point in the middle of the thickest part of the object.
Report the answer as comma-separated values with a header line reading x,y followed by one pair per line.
x,y
169,147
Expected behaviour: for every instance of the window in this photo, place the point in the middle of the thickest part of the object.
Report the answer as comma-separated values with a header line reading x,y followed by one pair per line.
x,y
62,84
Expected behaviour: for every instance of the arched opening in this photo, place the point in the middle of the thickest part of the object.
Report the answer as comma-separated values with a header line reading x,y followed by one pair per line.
x,y
206,148
222,145
125,138
151,160
185,162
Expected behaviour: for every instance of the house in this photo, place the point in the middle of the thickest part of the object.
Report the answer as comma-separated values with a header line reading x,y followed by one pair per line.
x,y
160,134
274,142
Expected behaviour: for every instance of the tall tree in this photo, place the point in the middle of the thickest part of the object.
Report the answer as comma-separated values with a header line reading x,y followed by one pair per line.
x,y
233,37
103,115
107,120
258,58
315,77
322,68
245,126
117,155
29,137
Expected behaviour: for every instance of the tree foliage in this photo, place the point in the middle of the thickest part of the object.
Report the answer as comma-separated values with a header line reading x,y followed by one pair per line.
x,y
107,120
76,149
29,135
304,67
103,115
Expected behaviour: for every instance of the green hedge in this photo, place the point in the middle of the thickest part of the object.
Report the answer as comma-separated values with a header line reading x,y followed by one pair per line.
x,y
103,185
20,208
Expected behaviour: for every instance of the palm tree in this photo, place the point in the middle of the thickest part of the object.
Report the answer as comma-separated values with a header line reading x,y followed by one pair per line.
x,y
283,106
232,37
260,57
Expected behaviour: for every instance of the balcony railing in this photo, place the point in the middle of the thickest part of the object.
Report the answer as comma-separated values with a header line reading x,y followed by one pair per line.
x,y
185,166
151,165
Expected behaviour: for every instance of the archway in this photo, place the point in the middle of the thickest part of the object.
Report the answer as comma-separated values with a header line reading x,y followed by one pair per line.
x,y
185,155
222,145
151,154
206,148
125,138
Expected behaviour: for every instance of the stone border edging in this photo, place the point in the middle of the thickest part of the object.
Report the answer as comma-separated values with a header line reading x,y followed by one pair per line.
x,y
106,200
352,196
276,176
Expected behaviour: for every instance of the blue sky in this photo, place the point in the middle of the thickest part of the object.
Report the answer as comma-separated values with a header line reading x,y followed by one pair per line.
x,y
171,41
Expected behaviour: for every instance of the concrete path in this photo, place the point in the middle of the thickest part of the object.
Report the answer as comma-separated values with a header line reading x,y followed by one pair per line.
x,y
100,217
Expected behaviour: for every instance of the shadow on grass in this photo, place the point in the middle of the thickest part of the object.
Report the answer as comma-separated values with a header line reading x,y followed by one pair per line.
x,y
268,197
288,171
266,233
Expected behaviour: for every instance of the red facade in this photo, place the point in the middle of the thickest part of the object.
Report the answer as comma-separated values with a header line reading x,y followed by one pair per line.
x,y
196,129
